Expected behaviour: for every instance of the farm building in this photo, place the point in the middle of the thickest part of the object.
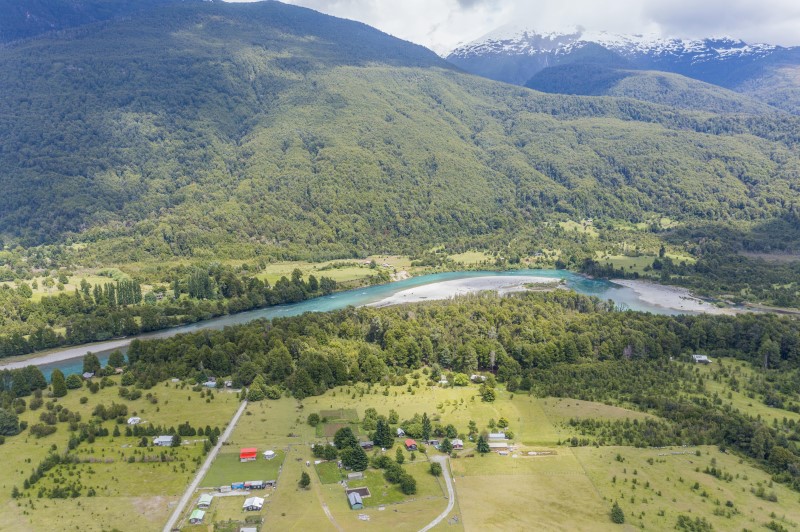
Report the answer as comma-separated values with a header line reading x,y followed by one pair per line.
x,y
477,378
255,485
248,455
356,503
134,420
498,446
400,432
210,384
701,359
205,501
162,441
197,517
497,435
457,444
269,455
253,504
411,445
366,445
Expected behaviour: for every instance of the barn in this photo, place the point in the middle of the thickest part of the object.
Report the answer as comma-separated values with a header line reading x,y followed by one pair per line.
x,y
411,445
197,517
205,501
355,500
248,455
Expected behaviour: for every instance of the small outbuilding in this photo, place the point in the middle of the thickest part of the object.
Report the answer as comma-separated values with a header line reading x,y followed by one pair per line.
x,y
253,504
255,485
197,517
411,445
205,501
88,375
356,475
269,455
210,384
497,435
366,445
248,454
701,359
162,441
400,432
134,420
457,444
355,500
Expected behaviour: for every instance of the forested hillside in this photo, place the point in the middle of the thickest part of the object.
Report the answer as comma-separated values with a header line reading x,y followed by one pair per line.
x,y
204,129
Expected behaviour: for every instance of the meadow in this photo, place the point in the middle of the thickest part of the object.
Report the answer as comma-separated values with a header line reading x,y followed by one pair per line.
x,y
134,495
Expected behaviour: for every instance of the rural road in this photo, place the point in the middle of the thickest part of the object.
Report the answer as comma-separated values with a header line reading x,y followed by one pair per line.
x,y
451,495
176,515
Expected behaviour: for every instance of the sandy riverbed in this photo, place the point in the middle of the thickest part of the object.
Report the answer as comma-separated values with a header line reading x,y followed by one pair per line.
x,y
672,297
448,289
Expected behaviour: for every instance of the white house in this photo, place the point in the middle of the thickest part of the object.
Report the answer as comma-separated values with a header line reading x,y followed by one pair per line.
x,y
269,455
701,359
253,504
162,441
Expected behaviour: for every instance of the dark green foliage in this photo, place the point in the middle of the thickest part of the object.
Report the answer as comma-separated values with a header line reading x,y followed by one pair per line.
x,y
91,364
399,456
74,381
698,524
116,359
9,423
58,383
446,446
313,419
426,427
617,515
436,469
305,480
345,438
408,484
355,458
482,445
383,436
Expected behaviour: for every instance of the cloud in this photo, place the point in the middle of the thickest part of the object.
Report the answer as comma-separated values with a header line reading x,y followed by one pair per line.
x,y
443,24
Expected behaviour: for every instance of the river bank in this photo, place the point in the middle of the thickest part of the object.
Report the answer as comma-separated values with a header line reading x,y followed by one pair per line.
x,y
459,287
673,297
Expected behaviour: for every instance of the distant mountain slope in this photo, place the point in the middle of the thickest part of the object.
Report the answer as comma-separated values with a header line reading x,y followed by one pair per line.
x,y
22,19
202,129
515,55
662,88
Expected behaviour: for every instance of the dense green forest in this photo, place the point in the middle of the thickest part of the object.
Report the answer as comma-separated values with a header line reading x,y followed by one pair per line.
x,y
114,309
552,344
269,129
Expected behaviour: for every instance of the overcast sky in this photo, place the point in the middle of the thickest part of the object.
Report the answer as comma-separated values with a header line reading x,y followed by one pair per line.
x,y
444,24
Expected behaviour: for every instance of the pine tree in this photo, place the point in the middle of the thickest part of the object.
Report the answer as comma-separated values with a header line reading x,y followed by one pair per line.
x,y
426,427
383,435
399,456
59,383
483,446
617,515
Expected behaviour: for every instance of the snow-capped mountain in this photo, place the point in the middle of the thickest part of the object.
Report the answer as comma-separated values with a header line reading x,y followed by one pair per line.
x,y
516,54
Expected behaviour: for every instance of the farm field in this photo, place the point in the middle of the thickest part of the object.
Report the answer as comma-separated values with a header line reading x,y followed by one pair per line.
x,y
227,468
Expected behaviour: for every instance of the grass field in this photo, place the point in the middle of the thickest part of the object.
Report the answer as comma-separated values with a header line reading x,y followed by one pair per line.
x,y
227,469
329,472
137,494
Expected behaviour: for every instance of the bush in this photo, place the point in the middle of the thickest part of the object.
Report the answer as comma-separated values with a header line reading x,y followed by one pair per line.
x,y
41,430
408,484
436,469
74,382
617,515
313,420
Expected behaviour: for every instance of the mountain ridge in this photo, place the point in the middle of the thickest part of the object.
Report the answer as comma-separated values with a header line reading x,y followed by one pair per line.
x,y
515,55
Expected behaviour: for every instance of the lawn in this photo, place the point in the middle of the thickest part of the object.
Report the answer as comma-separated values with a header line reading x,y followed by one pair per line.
x,y
329,472
227,468
340,414
383,492
328,430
